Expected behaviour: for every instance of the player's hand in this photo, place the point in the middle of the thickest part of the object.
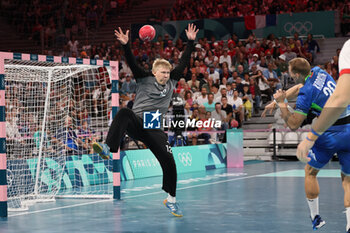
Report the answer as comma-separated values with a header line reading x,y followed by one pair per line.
x,y
191,31
280,96
270,107
122,37
303,150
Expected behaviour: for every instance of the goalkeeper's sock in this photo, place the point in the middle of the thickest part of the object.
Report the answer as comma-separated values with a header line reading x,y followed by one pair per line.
x,y
171,199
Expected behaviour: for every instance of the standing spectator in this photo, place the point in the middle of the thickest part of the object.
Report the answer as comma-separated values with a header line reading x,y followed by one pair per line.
x,y
237,107
73,44
313,46
255,91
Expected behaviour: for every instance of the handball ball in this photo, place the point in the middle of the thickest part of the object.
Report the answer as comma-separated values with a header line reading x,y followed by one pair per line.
x,y
147,33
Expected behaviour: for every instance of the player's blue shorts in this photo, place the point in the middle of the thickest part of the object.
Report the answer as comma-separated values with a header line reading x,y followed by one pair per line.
x,y
335,140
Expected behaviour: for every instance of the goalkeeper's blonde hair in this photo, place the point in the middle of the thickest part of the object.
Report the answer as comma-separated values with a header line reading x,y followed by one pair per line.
x,y
161,63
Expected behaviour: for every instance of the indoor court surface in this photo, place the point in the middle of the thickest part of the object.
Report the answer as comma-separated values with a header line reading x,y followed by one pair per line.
x,y
262,197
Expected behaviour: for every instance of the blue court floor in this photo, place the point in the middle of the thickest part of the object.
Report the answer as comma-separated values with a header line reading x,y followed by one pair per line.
x,y
262,197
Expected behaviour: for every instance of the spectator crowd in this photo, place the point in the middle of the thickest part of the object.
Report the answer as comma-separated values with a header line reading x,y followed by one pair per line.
x,y
225,80
201,9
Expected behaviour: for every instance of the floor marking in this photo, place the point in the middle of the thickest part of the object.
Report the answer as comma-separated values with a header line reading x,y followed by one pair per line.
x,y
328,173
133,196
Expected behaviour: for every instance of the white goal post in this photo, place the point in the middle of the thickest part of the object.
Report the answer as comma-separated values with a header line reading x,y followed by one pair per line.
x,y
51,110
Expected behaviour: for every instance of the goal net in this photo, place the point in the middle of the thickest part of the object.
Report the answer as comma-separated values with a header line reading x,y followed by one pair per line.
x,y
54,112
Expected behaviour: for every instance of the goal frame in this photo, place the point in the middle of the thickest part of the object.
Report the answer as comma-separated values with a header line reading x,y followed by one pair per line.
x,y
114,65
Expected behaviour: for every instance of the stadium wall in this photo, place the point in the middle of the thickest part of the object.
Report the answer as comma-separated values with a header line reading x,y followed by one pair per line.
x,y
317,23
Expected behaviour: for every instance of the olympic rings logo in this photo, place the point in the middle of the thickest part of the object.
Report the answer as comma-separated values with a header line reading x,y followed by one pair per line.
x,y
185,158
299,27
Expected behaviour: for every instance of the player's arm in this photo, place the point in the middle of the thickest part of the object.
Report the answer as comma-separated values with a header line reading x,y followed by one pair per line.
x,y
291,94
293,120
191,33
137,71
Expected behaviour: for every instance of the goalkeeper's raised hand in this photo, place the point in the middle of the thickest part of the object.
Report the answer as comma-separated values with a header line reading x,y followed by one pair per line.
x,y
122,37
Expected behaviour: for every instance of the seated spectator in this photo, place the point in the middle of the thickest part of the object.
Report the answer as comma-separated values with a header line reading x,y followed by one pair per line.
x,y
282,67
245,81
271,76
203,98
240,60
191,134
210,58
225,58
215,91
263,85
227,108
255,61
193,83
247,102
87,136
213,73
240,71
289,54
128,86
226,74
210,105
188,97
67,137
239,85
206,136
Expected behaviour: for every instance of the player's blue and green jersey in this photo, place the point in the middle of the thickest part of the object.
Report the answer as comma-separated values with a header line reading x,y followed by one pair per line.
x,y
318,87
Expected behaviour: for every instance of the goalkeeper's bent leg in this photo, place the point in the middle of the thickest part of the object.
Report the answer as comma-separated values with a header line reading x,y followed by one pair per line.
x,y
125,119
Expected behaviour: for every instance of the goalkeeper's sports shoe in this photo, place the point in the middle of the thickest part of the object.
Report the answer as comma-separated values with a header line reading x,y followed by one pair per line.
x,y
317,222
174,208
101,149
348,231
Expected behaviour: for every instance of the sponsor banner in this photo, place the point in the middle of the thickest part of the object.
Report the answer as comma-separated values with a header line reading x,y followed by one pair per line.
x,y
188,159
89,170
142,164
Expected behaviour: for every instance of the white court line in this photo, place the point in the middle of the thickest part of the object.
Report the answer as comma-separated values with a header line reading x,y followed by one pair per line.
x,y
128,197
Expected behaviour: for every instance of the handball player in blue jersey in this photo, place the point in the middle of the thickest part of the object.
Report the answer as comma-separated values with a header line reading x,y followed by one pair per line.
x,y
154,91
316,87
333,109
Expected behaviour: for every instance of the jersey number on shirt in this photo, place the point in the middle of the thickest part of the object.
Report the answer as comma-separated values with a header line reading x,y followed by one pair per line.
x,y
329,88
